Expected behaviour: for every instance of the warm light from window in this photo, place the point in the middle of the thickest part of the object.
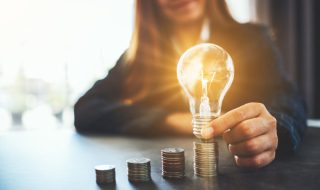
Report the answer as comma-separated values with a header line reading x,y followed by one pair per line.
x,y
51,52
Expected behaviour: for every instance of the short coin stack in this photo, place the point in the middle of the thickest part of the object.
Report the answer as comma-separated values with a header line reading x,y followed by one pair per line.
x,y
173,162
206,156
105,174
139,169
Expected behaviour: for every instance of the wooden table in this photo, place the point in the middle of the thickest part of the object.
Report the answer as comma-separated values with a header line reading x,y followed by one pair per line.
x,y
64,159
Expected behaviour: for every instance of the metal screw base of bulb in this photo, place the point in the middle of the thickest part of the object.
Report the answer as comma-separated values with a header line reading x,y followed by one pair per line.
x,y
200,122
206,152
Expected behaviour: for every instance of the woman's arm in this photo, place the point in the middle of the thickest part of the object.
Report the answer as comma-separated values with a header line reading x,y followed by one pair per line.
x,y
101,109
271,86
274,121
284,102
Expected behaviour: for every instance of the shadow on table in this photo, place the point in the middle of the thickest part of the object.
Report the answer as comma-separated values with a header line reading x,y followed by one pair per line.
x,y
193,183
143,185
107,186
178,184
132,185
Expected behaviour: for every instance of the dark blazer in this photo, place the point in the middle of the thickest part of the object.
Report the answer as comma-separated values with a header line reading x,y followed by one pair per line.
x,y
259,77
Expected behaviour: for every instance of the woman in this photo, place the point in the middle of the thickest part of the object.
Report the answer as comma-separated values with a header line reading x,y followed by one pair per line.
x,y
141,94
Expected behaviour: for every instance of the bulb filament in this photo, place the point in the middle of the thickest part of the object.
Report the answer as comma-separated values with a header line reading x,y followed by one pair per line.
x,y
205,105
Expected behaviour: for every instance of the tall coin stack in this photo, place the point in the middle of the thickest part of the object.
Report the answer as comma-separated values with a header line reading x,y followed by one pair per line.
x,y
105,174
205,158
173,162
139,169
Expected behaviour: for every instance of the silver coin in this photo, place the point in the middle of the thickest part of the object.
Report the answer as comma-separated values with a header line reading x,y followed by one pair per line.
x,y
206,175
138,161
173,160
138,172
138,167
173,163
104,167
146,178
172,150
138,176
104,180
181,164
205,172
204,165
173,176
172,170
106,176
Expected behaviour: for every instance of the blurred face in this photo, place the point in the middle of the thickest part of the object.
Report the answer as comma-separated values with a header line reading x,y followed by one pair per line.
x,y
182,11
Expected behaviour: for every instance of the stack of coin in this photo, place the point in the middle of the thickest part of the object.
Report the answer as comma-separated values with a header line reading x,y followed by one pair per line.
x,y
139,169
105,173
206,156
173,162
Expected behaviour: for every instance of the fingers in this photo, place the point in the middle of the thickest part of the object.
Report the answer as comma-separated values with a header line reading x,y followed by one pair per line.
x,y
256,161
254,146
236,116
248,129
251,133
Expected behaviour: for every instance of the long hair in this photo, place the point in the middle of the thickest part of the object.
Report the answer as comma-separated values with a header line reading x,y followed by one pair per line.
x,y
151,37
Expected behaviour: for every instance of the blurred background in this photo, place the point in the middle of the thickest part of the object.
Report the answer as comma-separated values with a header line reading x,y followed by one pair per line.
x,y
52,51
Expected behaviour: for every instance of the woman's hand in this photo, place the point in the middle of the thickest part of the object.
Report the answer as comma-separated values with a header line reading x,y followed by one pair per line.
x,y
250,132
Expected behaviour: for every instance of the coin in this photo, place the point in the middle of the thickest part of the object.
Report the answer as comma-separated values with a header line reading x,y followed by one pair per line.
x,y
172,151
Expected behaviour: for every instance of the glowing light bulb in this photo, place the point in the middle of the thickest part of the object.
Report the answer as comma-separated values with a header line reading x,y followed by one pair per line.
x,y
205,73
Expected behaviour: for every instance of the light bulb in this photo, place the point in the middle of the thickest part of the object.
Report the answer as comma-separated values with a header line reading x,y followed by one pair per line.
x,y
205,73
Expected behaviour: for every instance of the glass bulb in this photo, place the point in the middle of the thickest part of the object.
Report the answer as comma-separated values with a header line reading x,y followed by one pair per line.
x,y
205,73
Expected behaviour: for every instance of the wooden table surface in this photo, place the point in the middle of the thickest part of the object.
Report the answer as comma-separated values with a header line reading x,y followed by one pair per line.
x,y
64,159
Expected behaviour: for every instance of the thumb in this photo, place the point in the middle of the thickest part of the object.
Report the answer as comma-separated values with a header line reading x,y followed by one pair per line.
x,y
207,132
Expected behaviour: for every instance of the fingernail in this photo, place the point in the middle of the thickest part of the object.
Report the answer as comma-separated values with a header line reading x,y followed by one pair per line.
x,y
236,158
230,148
207,132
